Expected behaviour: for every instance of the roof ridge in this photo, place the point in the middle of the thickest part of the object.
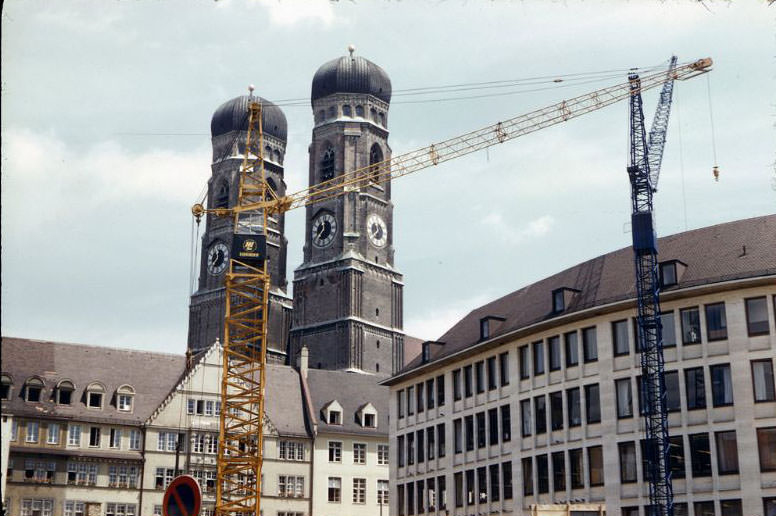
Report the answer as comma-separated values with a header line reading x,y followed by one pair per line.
x,y
92,346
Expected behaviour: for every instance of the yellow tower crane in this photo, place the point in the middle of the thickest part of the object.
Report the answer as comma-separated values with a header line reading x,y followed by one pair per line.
x,y
247,280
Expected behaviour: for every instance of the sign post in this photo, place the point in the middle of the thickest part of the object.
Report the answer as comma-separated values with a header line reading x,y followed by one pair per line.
x,y
182,497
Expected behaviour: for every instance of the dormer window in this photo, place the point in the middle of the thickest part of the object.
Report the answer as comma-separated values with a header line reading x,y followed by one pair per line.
x,y
561,298
94,395
335,417
33,390
426,352
488,326
332,413
65,390
124,398
367,415
6,384
370,420
668,274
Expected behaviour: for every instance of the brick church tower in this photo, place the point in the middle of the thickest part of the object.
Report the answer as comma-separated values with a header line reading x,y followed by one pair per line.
x,y
347,292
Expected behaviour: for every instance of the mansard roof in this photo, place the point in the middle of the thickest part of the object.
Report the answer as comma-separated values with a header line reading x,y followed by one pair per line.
x,y
352,390
732,251
152,375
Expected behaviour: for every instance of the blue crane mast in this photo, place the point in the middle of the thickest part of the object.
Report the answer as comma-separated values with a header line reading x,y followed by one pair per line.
x,y
645,158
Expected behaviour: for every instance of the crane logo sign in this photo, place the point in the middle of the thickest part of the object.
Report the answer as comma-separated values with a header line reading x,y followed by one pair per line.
x,y
250,249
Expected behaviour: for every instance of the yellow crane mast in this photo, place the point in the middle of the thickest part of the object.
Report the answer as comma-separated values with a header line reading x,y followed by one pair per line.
x,y
247,279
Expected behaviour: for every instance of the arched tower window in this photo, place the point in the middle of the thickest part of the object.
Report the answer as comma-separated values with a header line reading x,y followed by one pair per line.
x,y
382,119
327,164
347,110
272,186
360,111
221,199
375,157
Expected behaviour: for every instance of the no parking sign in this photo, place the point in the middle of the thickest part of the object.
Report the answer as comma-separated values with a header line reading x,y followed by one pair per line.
x,y
182,497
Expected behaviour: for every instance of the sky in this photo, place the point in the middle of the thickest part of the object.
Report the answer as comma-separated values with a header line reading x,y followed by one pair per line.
x,y
105,142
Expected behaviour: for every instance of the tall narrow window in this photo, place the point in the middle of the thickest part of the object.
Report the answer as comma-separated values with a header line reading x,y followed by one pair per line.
x,y
441,446
410,400
411,448
559,472
458,481
493,428
695,387
467,381
589,344
553,343
572,349
595,460
506,424
673,398
430,393
526,427
375,157
620,337
691,326
327,164
528,479
573,409
762,380
421,448
221,198
575,465
430,443
676,456
400,451
721,385
495,485
542,474
458,435
400,403
668,329
716,323
593,403
624,398
440,387
506,476
419,398
525,362
469,428
700,455
503,365
538,356
757,316
766,444
556,410
727,452
482,485
479,375
492,373
540,411
627,462
457,391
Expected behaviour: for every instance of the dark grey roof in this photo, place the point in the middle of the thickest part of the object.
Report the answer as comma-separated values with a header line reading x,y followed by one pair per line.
x,y
284,405
233,116
77,452
351,74
412,348
151,375
352,391
712,254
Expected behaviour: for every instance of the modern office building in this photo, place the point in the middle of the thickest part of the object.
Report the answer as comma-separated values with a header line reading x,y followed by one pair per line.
x,y
534,398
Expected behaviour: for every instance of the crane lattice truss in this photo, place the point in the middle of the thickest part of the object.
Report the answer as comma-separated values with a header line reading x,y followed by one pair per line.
x,y
657,133
647,295
242,390
238,489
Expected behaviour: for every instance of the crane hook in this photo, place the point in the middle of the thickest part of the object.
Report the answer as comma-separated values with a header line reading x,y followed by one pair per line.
x,y
715,171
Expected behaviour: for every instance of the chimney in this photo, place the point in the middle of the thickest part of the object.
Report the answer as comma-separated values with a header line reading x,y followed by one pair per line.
x,y
303,361
189,358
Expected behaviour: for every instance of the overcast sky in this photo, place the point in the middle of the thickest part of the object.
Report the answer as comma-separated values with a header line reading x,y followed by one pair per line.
x,y
106,112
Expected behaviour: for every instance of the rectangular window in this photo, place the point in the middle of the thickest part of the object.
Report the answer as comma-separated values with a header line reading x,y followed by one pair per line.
x,y
94,436
553,343
421,447
35,507
526,428
559,472
622,389
503,365
704,508
442,490
762,380
572,348
400,499
525,362
359,490
595,460
556,410
430,444
115,438
721,385
716,323
77,508
730,508
676,456
673,398
441,445
593,403
33,432
620,343
668,274
400,403
440,387
400,451
542,474
411,448
335,451
575,465
467,381
458,480
209,408
589,344
668,329
15,430
540,409
757,316
359,453
430,394
493,428
700,455
410,400
769,506
457,391
470,487
419,398
691,326
52,437
766,443
458,435
492,373
506,476
482,485
538,358
469,427
573,407
479,375
335,489
382,492
695,388
627,462
191,405
506,424
382,454
527,476
495,485
727,452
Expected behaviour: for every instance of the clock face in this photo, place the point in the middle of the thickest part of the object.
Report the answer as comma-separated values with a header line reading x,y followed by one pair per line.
x,y
324,229
217,258
376,230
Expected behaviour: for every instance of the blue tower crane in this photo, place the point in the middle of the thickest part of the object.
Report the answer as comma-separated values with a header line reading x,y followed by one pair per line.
x,y
645,158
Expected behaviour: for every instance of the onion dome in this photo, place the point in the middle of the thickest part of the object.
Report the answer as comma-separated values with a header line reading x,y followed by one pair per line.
x,y
351,74
233,116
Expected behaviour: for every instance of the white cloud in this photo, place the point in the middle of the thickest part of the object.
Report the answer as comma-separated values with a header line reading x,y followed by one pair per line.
x,y
432,323
515,235
287,13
